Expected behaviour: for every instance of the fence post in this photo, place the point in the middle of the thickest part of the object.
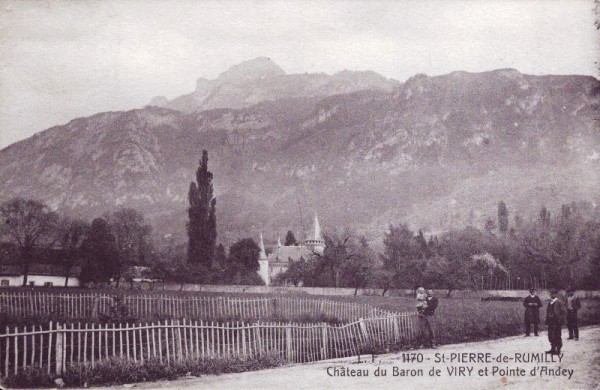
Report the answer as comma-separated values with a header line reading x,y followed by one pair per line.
x,y
95,307
324,351
363,330
396,328
257,338
288,342
244,339
59,349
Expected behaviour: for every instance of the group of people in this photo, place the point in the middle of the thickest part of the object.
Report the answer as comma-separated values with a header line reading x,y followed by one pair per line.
x,y
555,315
426,305
556,312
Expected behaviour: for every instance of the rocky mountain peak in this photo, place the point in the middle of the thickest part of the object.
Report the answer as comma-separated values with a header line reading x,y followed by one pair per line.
x,y
258,68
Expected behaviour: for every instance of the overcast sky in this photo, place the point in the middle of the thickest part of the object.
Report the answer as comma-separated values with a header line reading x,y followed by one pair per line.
x,y
64,59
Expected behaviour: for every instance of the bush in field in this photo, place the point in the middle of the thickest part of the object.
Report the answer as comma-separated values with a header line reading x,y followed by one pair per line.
x,y
117,371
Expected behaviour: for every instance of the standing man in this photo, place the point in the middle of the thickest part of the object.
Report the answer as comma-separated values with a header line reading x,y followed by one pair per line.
x,y
429,315
554,319
573,304
532,305
421,306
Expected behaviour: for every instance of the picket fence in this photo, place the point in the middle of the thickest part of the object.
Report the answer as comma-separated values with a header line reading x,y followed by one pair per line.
x,y
56,346
149,306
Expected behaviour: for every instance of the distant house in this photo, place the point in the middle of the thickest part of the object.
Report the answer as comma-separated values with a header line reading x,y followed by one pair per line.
x,y
48,275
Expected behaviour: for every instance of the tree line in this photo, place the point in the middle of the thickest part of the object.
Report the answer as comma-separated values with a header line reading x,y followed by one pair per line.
x,y
110,246
562,251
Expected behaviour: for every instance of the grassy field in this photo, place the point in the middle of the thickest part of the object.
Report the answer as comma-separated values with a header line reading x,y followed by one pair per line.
x,y
471,319
457,319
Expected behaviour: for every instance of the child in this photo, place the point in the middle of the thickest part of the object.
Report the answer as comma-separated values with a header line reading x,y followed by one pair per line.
x,y
421,300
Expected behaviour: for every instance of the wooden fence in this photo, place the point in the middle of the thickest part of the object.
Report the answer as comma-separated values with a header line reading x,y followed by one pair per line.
x,y
52,348
147,306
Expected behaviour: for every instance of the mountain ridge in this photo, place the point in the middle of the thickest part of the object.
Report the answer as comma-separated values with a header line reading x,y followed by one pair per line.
x,y
428,152
260,79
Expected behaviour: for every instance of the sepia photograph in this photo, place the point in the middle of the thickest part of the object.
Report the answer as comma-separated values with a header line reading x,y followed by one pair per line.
x,y
300,194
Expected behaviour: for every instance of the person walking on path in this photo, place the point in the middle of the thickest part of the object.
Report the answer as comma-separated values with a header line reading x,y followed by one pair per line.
x,y
429,315
573,304
554,319
532,305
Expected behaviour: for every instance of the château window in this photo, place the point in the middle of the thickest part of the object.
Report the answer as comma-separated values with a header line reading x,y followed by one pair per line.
x,y
48,284
4,282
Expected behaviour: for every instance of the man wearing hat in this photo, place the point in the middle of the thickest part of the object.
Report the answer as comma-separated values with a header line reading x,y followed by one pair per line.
x,y
532,305
573,304
555,314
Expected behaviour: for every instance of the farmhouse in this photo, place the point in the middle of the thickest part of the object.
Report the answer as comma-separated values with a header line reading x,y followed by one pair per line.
x,y
39,275
279,261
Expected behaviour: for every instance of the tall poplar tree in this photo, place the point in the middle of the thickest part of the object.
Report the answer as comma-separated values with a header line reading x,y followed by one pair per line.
x,y
502,217
202,224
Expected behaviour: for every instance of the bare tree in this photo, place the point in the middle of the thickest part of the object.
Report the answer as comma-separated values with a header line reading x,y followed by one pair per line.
x,y
132,237
70,236
28,224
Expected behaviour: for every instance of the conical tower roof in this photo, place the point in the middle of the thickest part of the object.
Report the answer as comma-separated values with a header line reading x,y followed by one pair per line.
x,y
317,229
261,245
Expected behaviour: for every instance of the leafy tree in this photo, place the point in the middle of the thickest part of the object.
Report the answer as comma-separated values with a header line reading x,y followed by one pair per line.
x,y
358,268
183,272
502,217
202,224
243,260
220,266
336,253
298,272
403,256
382,278
71,233
100,253
28,224
290,239
132,237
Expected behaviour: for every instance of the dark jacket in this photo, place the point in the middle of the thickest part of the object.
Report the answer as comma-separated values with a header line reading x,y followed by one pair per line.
x,y
532,309
432,304
555,313
576,303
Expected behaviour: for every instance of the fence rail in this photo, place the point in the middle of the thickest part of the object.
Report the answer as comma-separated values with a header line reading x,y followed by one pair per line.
x,y
86,305
56,346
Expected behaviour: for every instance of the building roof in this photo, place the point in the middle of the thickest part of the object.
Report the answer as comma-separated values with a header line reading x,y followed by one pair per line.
x,y
38,269
292,252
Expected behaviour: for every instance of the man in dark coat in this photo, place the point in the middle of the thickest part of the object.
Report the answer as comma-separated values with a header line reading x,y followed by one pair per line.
x,y
429,315
573,304
532,305
555,314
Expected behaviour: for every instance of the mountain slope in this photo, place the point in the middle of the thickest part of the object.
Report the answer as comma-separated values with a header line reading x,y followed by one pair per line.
x,y
435,151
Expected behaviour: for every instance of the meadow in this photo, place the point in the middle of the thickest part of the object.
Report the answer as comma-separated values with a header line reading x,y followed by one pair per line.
x,y
457,320
473,319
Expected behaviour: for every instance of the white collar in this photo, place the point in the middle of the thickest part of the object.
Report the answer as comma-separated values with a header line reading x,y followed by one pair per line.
x,y
554,300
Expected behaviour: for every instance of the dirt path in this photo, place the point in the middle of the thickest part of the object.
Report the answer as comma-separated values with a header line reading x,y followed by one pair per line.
x,y
582,357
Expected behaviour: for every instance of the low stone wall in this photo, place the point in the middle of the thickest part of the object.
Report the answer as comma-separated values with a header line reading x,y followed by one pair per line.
x,y
348,291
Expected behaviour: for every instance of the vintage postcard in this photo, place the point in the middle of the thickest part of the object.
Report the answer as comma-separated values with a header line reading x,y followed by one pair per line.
x,y
269,194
